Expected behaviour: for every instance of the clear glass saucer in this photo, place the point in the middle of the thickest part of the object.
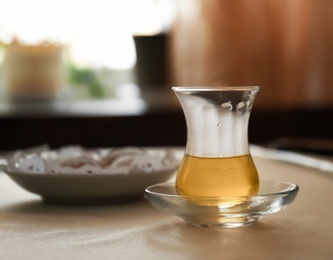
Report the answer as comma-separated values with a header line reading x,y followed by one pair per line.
x,y
229,212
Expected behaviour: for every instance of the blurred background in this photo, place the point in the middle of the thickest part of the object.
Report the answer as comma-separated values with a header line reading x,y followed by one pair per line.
x,y
99,73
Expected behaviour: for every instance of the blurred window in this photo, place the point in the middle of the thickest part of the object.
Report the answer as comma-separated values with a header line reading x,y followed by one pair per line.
x,y
97,34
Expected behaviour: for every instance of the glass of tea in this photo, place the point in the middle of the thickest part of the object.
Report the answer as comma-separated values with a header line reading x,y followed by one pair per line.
x,y
217,163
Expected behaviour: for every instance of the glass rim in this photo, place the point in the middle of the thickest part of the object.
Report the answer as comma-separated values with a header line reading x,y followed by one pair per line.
x,y
215,88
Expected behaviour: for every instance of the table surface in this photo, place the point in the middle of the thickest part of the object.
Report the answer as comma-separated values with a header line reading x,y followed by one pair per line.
x,y
30,229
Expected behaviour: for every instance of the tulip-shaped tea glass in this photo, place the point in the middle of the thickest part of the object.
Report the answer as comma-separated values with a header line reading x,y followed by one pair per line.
x,y
217,183
217,162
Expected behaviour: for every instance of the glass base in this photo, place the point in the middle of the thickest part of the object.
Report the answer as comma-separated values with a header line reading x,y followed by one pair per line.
x,y
222,222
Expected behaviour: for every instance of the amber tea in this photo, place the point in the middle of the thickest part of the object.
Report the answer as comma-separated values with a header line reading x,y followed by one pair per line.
x,y
217,177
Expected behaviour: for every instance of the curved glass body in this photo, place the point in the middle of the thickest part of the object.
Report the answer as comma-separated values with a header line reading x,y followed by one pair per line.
x,y
217,161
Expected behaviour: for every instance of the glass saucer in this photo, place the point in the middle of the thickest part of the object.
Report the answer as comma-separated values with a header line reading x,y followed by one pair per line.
x,y
229,212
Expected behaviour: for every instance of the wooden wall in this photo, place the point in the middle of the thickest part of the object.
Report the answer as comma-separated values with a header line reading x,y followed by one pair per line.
x,y
284,46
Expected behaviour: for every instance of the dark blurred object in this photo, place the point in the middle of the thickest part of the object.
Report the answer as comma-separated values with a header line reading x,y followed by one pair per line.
x,y
267,125
151,66
304,145
152,127
162,125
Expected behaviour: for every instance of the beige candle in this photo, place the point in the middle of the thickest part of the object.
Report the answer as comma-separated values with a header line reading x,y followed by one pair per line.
x,y
33,72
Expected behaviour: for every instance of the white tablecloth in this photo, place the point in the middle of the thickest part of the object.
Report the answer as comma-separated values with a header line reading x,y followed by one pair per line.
x,y
30,229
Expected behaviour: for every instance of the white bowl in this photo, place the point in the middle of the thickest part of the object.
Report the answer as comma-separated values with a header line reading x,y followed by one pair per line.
x,y
89,189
